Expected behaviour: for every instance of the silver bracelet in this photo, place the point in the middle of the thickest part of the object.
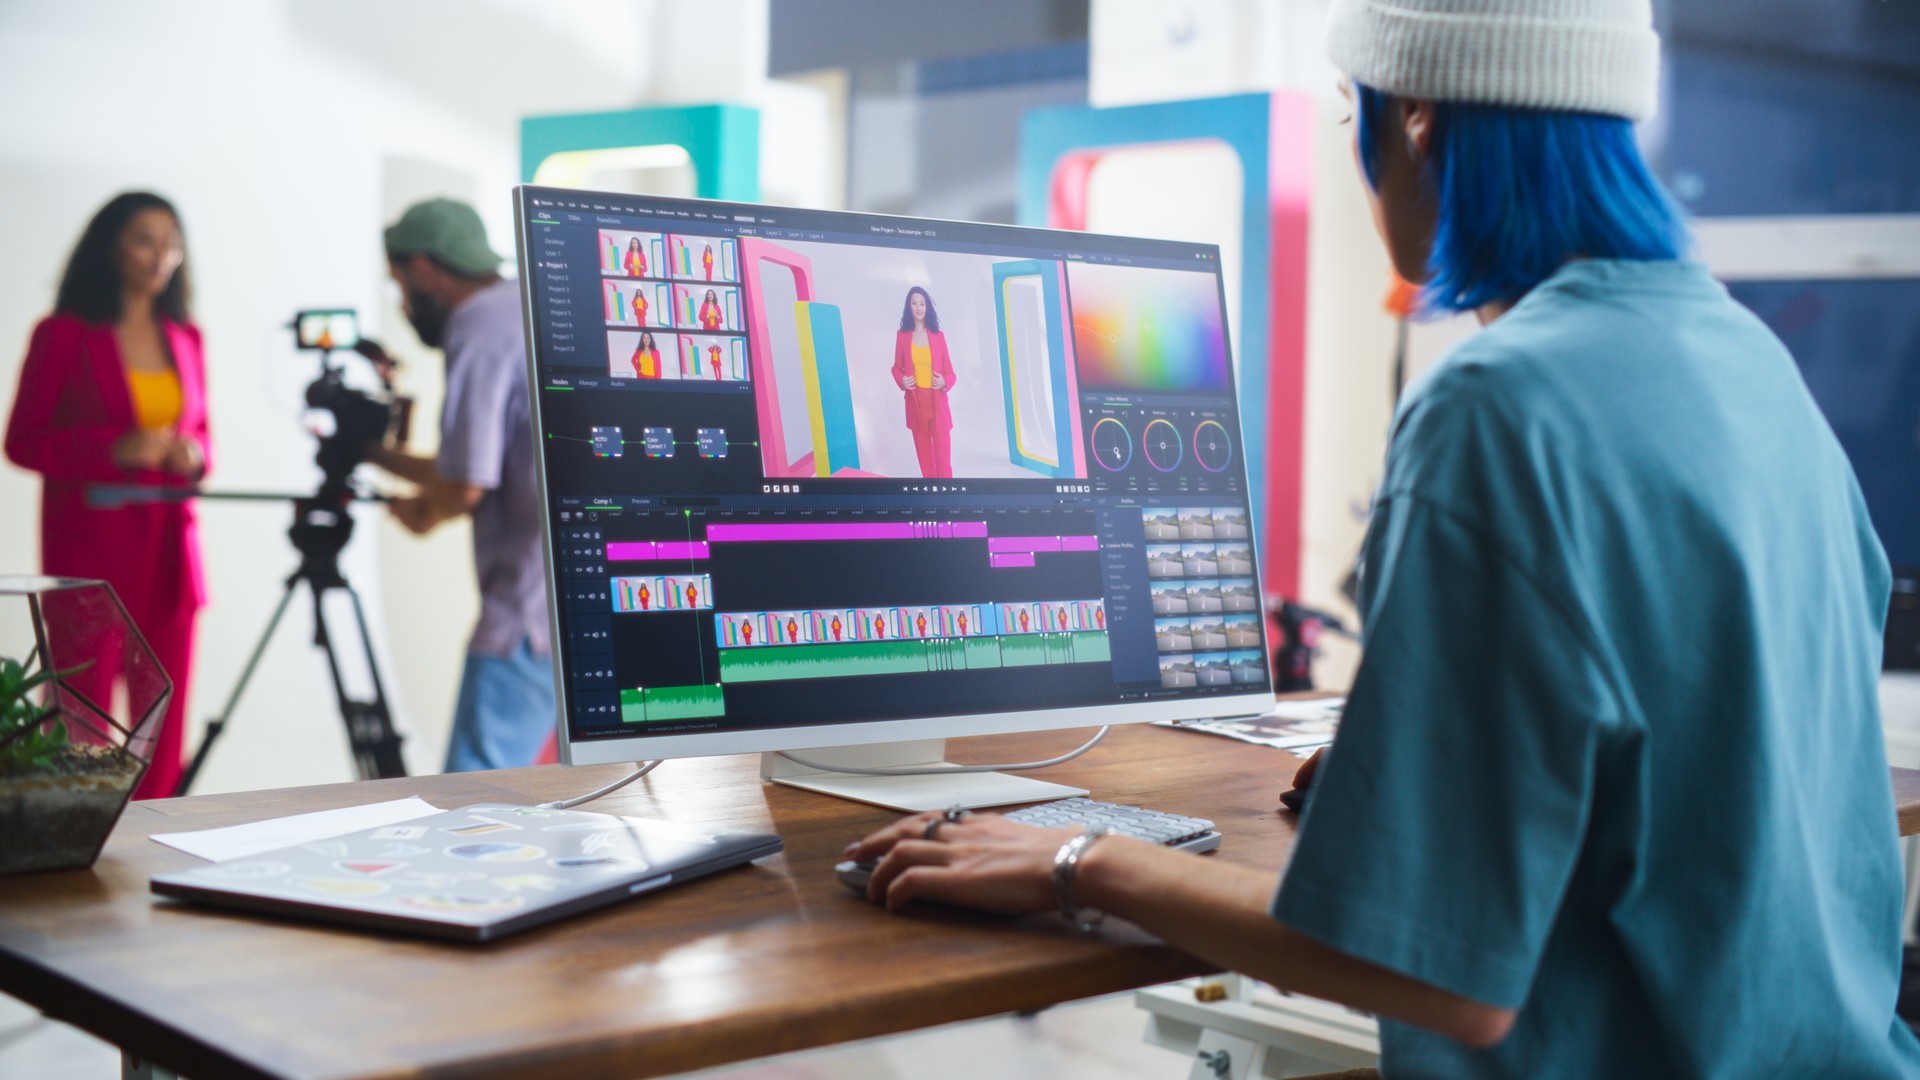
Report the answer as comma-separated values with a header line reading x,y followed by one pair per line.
x,y
1066,863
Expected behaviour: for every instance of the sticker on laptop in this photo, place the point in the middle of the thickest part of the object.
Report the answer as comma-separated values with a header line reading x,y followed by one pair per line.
x,y
607,863
400,832
247,871
348,887
400,851
331,849
602,843
528,882
480,827
461,904
496,852
367,867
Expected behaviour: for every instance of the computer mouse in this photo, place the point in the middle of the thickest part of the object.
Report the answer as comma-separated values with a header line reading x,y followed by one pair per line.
x,y
854,875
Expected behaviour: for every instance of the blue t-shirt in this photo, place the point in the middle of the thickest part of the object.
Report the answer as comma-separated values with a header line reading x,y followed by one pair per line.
x,y
1613,757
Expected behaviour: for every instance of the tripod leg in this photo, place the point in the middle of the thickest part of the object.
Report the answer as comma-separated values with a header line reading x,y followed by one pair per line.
x,y
385,741
370,732
218,724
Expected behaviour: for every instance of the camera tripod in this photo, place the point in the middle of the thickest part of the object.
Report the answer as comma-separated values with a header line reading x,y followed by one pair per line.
x,y
321,528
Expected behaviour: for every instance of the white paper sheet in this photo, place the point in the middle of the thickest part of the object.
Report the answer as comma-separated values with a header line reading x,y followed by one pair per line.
x,y
1299,726
240,841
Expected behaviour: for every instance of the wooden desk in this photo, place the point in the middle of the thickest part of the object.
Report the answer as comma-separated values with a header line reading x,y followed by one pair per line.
x,y
754,961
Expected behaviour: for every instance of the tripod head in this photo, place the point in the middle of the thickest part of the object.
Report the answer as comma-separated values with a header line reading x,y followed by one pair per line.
x,y
359,420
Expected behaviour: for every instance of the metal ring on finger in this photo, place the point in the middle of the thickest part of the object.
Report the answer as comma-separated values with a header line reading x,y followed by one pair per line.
x,y
952,815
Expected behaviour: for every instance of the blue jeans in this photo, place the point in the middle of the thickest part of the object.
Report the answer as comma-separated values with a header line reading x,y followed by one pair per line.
x,y
505,712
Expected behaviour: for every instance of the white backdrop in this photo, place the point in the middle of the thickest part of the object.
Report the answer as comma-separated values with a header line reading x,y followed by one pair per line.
x,y
289,133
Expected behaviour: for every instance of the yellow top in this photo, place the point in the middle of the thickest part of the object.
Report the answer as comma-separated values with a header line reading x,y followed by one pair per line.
x,y
922,367
156,397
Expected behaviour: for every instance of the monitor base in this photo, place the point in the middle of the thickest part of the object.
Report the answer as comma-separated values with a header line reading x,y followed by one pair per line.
x,y
935,790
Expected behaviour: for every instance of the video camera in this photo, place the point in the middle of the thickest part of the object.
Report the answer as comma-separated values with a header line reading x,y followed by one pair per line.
x,y
359,420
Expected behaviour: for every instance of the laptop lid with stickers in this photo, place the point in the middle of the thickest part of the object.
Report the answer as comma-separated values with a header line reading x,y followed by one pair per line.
x,y
473,874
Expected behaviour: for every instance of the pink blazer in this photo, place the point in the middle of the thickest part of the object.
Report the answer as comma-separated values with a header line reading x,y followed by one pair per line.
x,y
72,404
917,397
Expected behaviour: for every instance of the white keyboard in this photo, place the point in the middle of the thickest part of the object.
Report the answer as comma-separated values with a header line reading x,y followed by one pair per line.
x,y
1154,826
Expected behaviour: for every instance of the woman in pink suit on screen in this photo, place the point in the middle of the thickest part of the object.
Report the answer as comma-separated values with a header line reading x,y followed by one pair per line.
x,y
113,391
636,259
646,357
924,371
710,315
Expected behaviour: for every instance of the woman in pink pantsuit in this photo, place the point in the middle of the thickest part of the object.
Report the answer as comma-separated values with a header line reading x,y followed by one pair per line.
x,y
924,372
113,391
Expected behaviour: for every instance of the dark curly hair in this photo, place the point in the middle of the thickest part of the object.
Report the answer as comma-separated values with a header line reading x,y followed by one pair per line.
x,y
90,287
906,312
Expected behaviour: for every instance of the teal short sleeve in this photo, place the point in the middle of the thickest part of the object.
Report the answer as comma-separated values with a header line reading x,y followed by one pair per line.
x,y
1448,817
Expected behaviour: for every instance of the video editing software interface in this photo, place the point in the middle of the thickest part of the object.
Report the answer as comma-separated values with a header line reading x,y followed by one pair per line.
x,y
811,468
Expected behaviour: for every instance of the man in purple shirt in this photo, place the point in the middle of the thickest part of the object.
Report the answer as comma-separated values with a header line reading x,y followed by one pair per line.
x,y
458,302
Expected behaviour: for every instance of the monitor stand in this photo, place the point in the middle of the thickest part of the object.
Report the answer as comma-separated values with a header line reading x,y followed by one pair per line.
x,y
929,791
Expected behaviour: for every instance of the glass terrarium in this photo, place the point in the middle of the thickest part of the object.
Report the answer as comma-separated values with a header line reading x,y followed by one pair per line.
x,y
82,698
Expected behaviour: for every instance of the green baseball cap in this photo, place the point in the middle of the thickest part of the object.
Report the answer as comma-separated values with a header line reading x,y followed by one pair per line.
x,y
447,231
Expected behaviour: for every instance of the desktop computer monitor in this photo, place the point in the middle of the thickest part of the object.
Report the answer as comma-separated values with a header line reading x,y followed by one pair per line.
x,y
820,480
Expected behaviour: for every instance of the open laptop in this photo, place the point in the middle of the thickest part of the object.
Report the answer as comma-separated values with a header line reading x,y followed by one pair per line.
x,y
473,874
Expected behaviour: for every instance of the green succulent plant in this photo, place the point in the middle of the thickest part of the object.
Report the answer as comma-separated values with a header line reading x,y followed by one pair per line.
x,y
28,743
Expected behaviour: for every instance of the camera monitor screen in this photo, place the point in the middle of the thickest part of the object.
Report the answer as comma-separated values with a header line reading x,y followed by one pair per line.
x,y
326,329
819,478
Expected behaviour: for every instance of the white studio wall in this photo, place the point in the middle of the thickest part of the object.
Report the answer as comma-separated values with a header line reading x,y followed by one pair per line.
x,y
288,133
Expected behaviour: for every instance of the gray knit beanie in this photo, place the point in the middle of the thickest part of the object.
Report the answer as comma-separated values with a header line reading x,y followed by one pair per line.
x,y
1596,56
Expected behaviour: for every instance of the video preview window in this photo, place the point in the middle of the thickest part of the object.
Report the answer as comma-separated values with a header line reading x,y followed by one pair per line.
x,y
884,362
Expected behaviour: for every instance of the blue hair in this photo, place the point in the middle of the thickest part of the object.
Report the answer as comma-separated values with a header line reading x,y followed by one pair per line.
x,y
1521,191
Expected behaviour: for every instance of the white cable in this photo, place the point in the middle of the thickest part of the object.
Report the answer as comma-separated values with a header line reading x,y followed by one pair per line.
x,y
1017,766
568,804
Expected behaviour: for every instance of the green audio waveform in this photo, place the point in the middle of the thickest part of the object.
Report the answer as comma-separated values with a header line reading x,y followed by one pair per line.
x,y
982,652
1075,647
822,661
1090,646
671,703
780,662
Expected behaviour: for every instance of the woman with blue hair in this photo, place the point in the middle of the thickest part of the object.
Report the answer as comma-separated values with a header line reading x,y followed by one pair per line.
x,y
1609,797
